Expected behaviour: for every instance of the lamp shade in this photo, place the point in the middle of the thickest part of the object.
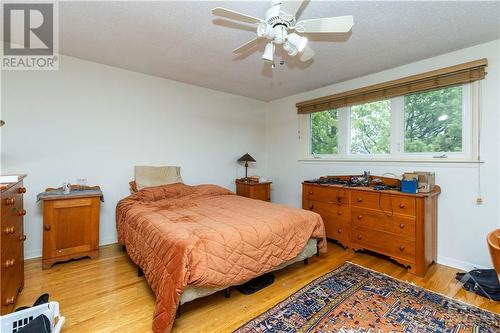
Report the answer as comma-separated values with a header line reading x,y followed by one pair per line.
x,y
246,158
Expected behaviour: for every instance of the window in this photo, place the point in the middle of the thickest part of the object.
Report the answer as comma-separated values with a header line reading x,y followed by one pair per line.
x,y
433,121
371,128
324,132
435,124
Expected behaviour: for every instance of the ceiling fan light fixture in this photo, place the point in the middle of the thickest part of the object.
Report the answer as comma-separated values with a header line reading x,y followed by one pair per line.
x,y
268,52
265,30
297,41
290,49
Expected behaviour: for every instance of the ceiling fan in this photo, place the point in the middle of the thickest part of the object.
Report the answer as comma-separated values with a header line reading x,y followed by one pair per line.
x,y
281,27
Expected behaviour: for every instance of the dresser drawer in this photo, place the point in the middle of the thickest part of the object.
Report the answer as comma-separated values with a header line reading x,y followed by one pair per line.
x,y
12,201
11,266
388,202
335,217
12,235
8,293
400,225
384,243
327,194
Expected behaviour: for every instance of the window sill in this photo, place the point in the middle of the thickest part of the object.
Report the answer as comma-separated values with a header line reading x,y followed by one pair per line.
x,y
389,160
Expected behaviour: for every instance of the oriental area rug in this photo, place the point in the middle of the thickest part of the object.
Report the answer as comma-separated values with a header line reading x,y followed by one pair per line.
x,y
355,299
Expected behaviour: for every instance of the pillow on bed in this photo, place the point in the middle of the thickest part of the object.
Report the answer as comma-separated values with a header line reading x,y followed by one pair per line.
x,y
149,176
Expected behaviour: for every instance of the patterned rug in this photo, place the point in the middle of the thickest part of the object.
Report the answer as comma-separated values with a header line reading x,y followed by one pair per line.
x,y
355,299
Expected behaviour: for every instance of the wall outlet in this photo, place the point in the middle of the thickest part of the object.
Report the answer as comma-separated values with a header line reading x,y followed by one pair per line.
x,y
479,201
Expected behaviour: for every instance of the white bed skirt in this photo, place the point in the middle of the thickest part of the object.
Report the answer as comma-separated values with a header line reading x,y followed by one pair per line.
x,y
191,293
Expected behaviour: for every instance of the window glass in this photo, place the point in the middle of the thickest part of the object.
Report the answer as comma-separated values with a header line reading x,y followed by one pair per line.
x,y
324,132
371,128
433,121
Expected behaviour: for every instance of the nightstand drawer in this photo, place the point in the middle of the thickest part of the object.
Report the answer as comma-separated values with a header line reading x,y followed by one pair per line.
x,y
258,191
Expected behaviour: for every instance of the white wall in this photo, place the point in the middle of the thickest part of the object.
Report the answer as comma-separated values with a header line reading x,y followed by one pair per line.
x,y
462,225
92,121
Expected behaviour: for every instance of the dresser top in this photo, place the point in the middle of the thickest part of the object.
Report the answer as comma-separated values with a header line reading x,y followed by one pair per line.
x,y
435,191
6,186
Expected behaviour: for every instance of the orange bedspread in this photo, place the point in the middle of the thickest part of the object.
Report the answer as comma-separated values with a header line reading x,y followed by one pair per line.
x,y
207,236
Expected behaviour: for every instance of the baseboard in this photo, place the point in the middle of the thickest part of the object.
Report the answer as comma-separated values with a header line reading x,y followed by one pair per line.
x,y
459,264
37,253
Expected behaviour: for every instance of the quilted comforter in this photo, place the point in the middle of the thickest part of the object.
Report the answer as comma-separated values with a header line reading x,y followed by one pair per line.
x,y
207,236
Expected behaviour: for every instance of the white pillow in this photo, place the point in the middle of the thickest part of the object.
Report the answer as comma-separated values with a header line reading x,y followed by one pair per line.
x,y
148,176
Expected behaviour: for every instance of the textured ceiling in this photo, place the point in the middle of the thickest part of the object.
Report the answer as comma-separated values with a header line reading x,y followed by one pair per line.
x,y
181,40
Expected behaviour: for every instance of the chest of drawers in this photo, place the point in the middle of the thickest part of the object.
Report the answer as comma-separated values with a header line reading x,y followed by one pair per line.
x,y
12,244
399,225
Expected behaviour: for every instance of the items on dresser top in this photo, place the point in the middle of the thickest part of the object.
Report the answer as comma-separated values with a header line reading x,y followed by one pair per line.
x,y
70,224
254,190
12,243
400,225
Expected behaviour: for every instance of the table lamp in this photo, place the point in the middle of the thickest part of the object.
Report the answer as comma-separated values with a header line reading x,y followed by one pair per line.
x,y
246,158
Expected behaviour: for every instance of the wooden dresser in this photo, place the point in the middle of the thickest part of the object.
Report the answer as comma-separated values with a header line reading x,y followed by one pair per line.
x,y
12,243
70,224
259,191
400,225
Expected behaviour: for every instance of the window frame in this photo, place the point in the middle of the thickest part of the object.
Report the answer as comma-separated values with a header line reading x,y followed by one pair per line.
x,y
470,132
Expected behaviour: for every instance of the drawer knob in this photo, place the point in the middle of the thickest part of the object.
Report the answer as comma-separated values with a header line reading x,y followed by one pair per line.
x,y
9,301
22,238
21,190
360,217
360,237
9,263
311,207
402,206
9,230
47,227
339,230
310,192
401,248
22,212
402,225
10,201
359,199
339,212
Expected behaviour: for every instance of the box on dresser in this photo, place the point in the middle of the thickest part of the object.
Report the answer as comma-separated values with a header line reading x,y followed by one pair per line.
x,y
12,243
399,225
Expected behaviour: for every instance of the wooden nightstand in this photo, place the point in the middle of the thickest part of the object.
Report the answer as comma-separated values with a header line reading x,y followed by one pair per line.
x,y
70,224
259,191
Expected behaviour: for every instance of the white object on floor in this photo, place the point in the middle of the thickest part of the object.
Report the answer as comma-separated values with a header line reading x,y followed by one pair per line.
x,y
14,321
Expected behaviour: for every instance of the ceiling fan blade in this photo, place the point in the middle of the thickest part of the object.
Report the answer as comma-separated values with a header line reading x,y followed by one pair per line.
x,y
307,54
291,7
246,46
231,14
327,24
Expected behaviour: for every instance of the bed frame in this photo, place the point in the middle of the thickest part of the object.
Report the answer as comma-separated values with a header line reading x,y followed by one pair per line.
x,y
191,293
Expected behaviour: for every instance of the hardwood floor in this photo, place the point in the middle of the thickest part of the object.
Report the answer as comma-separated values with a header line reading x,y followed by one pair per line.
x,y
105,294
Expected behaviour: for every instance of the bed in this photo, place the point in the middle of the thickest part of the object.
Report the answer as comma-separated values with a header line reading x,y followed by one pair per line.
x,y
191,241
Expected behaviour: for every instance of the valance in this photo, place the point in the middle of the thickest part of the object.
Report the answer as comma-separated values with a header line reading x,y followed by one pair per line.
x,y
444,77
